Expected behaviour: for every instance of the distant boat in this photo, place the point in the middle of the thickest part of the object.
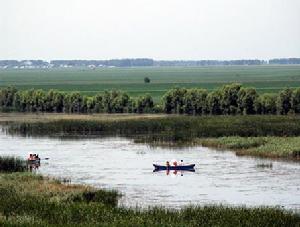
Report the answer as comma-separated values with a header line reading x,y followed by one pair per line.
x,y
179,167
34,161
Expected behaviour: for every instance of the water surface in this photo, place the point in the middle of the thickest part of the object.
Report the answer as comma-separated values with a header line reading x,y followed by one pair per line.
x,y
119,163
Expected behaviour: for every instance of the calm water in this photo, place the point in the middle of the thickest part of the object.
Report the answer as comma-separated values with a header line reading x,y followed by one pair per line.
x,y
118,163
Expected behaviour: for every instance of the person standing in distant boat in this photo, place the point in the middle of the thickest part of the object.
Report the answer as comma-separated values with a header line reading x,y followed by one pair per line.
x,y
175,163
168,164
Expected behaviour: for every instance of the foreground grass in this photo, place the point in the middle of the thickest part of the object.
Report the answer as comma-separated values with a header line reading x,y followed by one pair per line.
x,y
27,199
272,147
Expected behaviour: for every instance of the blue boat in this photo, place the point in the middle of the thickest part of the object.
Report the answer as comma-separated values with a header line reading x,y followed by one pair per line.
x,y
179,167
34,161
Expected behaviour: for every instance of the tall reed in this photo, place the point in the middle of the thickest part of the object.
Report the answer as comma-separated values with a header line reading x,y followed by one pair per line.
x,y
173,128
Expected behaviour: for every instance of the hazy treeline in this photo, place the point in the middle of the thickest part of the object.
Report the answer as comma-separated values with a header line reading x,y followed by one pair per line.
x,y
285,61
139,62
113,62
228,100
210,63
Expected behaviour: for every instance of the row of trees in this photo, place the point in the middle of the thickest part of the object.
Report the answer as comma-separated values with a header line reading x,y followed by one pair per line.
x,y
228,100
60,102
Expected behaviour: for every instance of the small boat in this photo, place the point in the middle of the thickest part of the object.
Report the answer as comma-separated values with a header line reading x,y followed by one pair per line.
x,y
33,161
179,167
33,158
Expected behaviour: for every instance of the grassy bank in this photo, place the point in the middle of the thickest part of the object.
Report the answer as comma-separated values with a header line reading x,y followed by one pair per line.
x,y
27,199
272,147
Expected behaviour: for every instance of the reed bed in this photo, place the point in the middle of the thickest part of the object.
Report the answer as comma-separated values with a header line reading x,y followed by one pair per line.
x,y
27,199
264,136
173,128
272,147
12,164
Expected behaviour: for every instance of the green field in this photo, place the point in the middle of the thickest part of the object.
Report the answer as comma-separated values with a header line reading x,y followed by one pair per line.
x,y
264,78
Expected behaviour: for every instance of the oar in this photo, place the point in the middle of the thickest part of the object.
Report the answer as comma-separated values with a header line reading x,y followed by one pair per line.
x,y
45,159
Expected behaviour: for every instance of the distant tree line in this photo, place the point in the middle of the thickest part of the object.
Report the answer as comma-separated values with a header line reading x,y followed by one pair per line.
x,y
139,62
113,62
285,61
230,99
209,63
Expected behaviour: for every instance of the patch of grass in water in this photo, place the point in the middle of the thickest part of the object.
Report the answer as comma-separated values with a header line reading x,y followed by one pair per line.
x,y
265,165
12,164
272,147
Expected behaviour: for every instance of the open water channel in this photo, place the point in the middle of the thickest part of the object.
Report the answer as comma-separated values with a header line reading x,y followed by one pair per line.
x,y
221,177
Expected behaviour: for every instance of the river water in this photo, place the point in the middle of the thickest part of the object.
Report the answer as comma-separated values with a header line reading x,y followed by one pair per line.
x,y
118,163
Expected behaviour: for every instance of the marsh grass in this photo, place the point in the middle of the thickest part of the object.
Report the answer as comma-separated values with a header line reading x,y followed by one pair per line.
x,y
27,199
264,136
171,128
272,147
265,165
12,164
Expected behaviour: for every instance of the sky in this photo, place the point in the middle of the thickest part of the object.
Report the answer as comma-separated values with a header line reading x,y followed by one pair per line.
x,y
158,29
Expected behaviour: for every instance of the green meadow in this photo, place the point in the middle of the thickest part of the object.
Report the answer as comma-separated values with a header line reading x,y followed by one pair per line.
x,y
266,79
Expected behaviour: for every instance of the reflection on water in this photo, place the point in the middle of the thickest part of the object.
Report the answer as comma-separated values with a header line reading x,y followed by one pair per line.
x,y
174,172
33,167
220,176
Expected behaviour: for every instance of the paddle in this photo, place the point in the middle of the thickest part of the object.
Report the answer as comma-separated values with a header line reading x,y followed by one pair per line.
x,y
42,159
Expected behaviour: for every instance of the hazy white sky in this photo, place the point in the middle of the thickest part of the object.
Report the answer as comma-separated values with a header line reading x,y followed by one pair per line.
x,y
160,29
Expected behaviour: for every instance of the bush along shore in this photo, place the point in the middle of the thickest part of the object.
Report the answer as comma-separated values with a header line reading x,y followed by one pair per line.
x,y
264,136
31,200
230,99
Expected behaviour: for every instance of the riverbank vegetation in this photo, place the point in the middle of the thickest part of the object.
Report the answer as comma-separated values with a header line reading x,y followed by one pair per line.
x,y
29,199
230,99
12,164
174,127
265,136
272,147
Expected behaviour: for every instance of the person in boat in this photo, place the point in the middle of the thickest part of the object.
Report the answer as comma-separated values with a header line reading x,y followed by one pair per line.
x,y
181,162
33,157
168,164
175,163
